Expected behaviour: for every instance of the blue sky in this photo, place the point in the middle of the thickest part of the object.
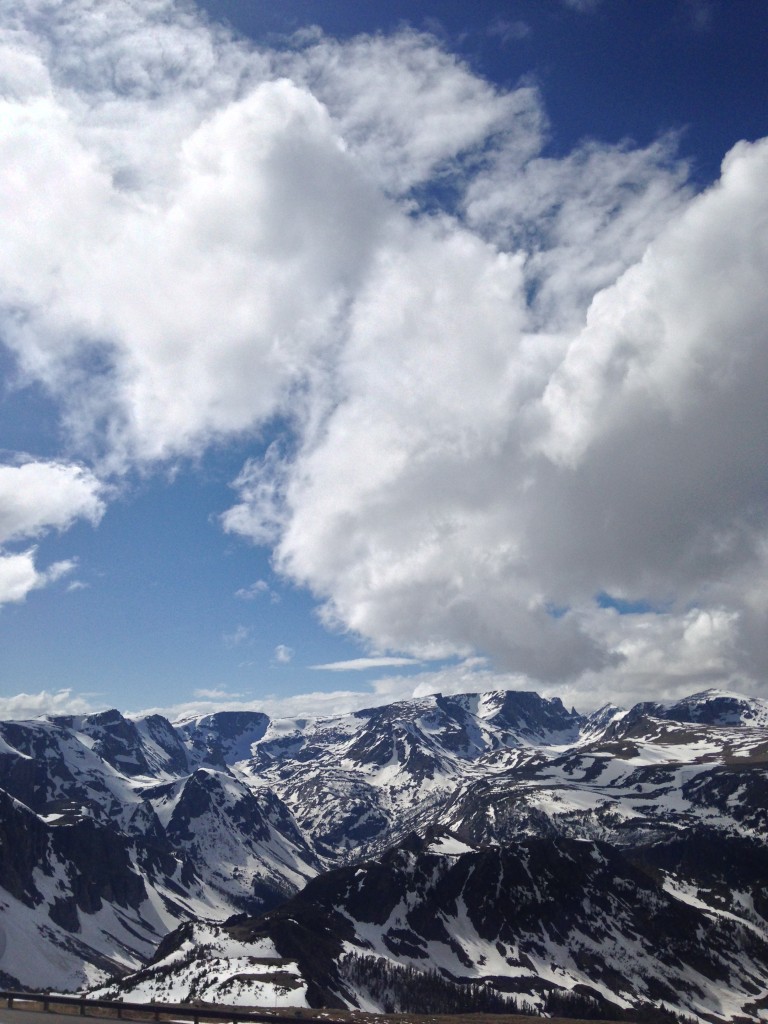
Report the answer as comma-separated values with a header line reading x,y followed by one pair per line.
x,y
366,335
608,70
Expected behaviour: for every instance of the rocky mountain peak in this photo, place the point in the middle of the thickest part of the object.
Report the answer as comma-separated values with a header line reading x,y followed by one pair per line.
x,y
496,840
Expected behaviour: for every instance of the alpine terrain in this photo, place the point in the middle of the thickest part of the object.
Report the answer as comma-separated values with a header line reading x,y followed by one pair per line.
x,y
487,851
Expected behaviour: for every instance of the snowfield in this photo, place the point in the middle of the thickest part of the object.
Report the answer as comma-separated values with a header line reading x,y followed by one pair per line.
x,y
492,840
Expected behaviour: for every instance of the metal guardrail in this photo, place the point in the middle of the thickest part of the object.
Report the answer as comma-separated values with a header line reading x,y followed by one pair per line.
x,y
158,1011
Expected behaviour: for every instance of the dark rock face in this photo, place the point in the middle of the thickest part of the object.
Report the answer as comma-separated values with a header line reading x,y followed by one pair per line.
x,y
521,919
533,716
95,860
24,844
216,740
497,838
100,817
117,741
100,867
36,767
361,783
170,753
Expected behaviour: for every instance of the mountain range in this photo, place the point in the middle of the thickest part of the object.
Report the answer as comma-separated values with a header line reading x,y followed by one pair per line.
x,y
476,851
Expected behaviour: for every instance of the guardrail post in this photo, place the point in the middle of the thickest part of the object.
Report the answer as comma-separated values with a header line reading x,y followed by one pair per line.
x,y
157,1013
46,1004
120,1012
82,1007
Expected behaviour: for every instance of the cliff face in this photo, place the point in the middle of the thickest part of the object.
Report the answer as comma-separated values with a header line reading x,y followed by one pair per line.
x,y
493,839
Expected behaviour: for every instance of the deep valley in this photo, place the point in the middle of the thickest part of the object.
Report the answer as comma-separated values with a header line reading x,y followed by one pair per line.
x,y
485,853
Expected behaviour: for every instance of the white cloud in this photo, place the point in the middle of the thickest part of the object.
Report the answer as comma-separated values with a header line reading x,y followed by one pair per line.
x,y
550,390
362,664
59,702
582,219
218,694
508,31
407,110
660,665
583,6
698,653
148,218
700,14
19,575
238,636
304,705
36,497
253,591
241,251
283,654
476,475
173,188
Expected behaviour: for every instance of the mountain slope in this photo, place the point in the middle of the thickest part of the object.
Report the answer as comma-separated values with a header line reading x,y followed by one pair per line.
x,y
108,841
525,919
356,782
504,839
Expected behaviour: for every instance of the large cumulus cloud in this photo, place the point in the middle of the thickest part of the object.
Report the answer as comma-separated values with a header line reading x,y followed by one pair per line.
x,y
478,485
508,384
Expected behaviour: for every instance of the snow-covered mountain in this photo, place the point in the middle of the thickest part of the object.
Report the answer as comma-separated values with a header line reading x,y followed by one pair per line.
x,y
358,781
525,918
494,838
104,820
